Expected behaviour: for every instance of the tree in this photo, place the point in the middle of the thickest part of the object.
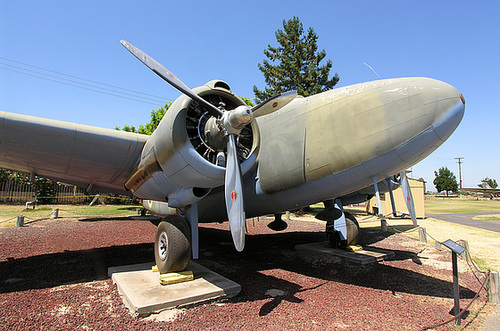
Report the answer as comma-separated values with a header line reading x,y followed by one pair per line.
x,y
488,183
156,117
4,175
247,101
295,64
445,181
45,189
150,127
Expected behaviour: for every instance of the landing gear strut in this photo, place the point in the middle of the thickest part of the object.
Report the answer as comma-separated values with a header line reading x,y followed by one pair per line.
x,y
172,244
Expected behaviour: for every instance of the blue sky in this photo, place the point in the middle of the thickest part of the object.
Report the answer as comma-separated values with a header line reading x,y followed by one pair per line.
x,y
454,41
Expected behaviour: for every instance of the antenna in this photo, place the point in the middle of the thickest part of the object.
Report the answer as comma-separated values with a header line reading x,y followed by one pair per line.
x,y
366,64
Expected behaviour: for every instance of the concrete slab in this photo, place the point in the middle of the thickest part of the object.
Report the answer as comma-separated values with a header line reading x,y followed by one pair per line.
x,y
365,256
142,293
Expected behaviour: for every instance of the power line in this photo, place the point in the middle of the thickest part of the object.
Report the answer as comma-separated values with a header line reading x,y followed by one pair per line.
x,y
81,87
94,88
70,80
84,79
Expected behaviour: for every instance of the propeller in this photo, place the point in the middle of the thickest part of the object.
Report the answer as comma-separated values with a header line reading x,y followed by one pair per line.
x,y
234,196
405,186
229,123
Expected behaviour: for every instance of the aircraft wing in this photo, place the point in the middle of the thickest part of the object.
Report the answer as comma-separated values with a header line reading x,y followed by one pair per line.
x,y
482,190
72,153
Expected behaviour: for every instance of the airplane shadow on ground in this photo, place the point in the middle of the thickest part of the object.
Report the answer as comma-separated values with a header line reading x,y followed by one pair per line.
x,y
277,251
68,267
252,268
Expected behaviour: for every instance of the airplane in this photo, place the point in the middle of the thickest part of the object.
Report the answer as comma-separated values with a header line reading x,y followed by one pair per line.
x,y
484,189
212,158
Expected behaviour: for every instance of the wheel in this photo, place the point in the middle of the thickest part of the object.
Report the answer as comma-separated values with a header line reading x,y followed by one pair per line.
x,y
352,229
172,244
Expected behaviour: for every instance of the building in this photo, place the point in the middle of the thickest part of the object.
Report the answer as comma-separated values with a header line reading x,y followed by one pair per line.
x,y
417,187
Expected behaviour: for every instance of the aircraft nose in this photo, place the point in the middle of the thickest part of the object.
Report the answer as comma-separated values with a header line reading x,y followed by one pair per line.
x,y
435,111
449,109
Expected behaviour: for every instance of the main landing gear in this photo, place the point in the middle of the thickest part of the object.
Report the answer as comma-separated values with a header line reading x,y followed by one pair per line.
x,y
172,244
342,229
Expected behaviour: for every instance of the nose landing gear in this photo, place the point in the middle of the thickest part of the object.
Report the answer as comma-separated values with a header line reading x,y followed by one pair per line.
x,y
172,244
342,229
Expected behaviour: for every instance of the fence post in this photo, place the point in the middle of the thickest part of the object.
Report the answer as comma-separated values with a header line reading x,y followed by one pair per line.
x,y
494,288
465,244
422,234
19,221
383,225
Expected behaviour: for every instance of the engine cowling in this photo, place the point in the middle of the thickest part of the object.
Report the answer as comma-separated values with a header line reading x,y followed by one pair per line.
x,y
183,157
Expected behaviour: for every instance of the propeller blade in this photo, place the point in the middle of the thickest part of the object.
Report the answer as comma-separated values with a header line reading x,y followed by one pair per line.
x,y
169,77
273,104
234,196
405,186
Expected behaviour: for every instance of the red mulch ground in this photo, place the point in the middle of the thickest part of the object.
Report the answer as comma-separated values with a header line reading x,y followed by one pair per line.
x,y
53,275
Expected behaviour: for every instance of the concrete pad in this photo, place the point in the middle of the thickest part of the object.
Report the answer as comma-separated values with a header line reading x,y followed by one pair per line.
x,y
142,293
365,256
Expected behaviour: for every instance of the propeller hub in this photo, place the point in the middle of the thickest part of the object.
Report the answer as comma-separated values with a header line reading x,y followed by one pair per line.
x,y
233,121
214,136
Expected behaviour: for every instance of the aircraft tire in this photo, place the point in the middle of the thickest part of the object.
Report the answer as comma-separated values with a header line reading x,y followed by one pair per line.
x,y
352,229
172,246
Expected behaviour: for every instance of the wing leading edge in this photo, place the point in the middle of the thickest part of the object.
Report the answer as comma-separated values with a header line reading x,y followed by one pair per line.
x,y
72,153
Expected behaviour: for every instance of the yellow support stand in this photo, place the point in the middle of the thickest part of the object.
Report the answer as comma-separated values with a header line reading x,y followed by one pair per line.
x,y
354,248
174,277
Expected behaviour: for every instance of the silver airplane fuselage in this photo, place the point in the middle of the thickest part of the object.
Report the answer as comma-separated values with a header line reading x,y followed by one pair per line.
x,y
329,145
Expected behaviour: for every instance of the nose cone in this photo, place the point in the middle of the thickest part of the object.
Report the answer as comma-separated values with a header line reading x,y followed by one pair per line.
x,y
449,109
436,109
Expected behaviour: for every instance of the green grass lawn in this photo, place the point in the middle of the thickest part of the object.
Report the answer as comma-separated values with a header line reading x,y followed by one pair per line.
x,y
494,217
440,205
9,213
459,206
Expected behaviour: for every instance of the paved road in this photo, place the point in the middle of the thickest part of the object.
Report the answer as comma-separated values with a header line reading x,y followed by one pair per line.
x,y
467,219
493,321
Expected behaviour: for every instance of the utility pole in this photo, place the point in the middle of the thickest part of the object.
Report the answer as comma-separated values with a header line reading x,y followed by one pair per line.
x,y
459,160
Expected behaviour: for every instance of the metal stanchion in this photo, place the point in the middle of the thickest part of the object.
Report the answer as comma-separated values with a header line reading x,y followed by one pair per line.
x,y
456,249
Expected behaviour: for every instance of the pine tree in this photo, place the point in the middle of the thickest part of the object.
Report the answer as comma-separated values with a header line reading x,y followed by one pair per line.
x,y
295,63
